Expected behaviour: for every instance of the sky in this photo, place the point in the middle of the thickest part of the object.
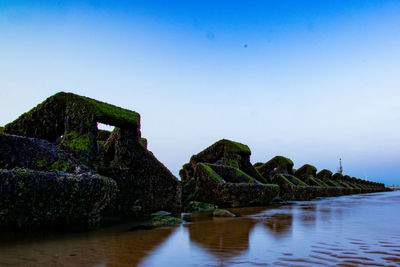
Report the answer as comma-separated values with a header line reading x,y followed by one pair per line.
x,y
314,81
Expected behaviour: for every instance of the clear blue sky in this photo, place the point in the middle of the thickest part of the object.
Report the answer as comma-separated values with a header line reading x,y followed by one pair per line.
x,y
310,80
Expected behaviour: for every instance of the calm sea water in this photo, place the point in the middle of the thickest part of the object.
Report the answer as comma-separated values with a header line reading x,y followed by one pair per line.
x,y
343,231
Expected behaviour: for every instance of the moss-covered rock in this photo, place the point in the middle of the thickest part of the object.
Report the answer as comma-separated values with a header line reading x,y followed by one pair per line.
x,y
165,221
276,165
146,185
324,175
73,119
306,172
103,135
36,154
194,206
223,175
30,199
214,189
70,121
143,141
228,160
223,152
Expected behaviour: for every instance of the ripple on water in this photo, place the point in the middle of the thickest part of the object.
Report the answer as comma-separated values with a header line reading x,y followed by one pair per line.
x,y
343,231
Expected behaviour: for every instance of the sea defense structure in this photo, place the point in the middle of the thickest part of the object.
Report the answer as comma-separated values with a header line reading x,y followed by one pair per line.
x,y
43,186
279,170
61,136
223,175
305,183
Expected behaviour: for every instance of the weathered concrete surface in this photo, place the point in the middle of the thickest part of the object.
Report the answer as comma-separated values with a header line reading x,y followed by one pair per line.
x,y
30,199
36,154
146,184
223,175
70,121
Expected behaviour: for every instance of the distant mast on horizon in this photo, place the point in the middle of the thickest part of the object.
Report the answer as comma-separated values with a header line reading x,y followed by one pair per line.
x,y
340,170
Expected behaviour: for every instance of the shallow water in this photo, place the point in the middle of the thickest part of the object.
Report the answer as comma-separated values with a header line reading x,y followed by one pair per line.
x,y
343,231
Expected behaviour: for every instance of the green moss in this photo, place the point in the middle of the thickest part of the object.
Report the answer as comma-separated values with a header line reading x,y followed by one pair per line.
x,y
230,162
281,160
211,172
22,173
346,185
143,141
42,163
165,220
75,141
319,182
234,147
191,196
60,165
334,183
240,173
285,180
201,206
322,183
273,187
297,181
354,185
97,108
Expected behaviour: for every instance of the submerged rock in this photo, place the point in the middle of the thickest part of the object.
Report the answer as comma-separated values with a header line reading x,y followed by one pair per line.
x,y
194,206
165,221
223,213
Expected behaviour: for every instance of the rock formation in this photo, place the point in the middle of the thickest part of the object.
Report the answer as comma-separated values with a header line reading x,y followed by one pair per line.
x,y
50,198
223,175
58,168
61,134
305,183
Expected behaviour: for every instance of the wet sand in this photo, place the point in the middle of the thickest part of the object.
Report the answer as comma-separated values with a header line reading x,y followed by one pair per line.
x,y
341,231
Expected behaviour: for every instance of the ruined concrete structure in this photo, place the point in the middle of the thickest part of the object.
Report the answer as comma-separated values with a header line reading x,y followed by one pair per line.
x,y
222,174
58,168
305,183
70,121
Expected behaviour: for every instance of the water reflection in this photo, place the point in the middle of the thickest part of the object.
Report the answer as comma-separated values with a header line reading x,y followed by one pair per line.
x,y
223,237
280,224
343,231
115,248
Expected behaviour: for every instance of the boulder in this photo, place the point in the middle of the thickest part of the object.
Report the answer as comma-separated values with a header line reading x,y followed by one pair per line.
x,y
36,154
70,121
223,175
165,221
196,206
223,213
30,199
306,173
279,170
146,185
210,187
73,119
276,165
223,152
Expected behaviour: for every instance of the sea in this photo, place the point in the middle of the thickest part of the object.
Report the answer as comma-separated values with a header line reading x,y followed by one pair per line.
x,y
352,230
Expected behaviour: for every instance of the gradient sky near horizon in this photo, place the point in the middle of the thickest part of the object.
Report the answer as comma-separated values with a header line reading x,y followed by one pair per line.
x,y
311,80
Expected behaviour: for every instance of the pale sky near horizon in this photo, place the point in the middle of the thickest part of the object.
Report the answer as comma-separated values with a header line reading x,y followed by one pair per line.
x,y
314,81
